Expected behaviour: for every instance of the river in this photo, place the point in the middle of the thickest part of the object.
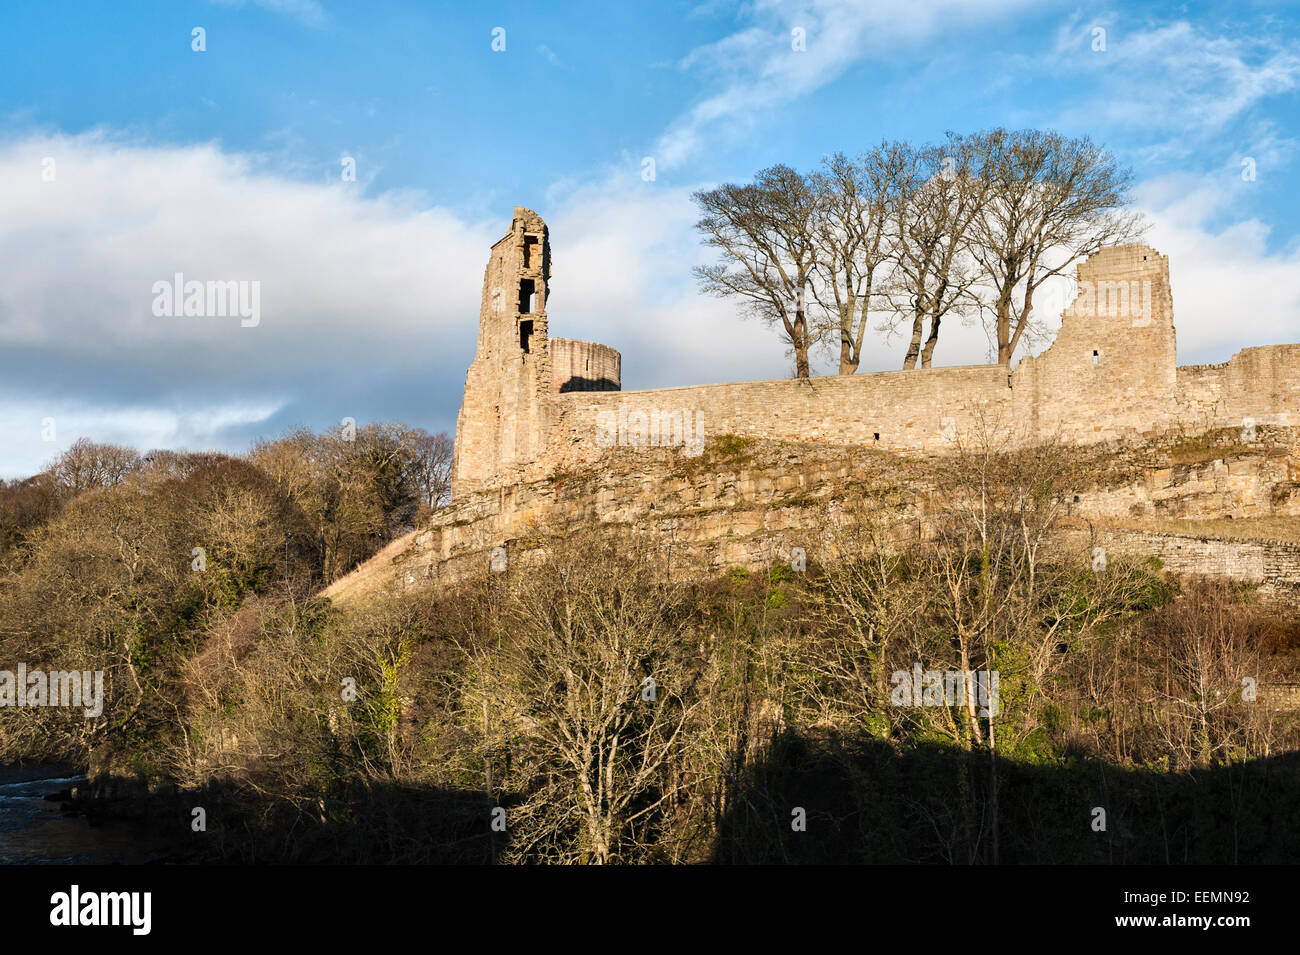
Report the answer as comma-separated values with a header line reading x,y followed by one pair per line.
x,y
34,830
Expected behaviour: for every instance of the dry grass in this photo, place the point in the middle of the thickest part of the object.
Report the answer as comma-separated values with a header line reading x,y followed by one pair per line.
x,y
370,575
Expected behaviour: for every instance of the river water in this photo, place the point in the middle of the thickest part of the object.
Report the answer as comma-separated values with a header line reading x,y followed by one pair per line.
x,y
34,830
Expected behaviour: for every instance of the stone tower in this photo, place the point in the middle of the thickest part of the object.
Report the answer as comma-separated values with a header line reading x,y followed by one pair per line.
x,y
1113,366
505,415
501,418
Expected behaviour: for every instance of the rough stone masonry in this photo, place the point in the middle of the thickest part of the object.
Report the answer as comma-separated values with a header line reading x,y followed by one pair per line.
x,y
535,405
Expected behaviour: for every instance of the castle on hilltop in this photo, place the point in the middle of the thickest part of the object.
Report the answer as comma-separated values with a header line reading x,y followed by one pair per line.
x,y
536,405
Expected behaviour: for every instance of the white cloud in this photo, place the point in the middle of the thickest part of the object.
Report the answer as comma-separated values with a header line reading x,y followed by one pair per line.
x,y
755,70
361,297
1230,292
81,252
37,432
551,56
623,252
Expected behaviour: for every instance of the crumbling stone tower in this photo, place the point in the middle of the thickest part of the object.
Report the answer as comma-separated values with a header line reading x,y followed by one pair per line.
x,y
1114,366
506,413
506,386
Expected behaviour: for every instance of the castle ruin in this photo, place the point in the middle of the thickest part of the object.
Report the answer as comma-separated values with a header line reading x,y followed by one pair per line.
x,y
536,405
518,371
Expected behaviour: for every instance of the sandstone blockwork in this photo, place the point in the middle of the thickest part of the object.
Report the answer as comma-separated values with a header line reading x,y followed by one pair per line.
x,y
535,405
583,366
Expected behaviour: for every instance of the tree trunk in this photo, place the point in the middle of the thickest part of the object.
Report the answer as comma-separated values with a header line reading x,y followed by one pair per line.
x,y
801,361
928,352
993,794
914,347
969,688
848,363
801,346
600,847
1004,327
849,355
799,336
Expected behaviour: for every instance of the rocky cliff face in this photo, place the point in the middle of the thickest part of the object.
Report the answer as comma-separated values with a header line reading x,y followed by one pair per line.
x,y
748,503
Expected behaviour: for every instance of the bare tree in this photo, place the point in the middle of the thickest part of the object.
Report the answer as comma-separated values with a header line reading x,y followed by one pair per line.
x,y
1050,202
867,602
853,200
764,231
1203,654
89,466
939,195
433,454
359,489
592,690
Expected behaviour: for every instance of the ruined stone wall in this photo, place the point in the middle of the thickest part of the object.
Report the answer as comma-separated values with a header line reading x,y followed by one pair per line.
x,y
504,423
1275,565
1263,384
503,416
1200,395
1110,374
584,366
1257,385
1112,369
905,411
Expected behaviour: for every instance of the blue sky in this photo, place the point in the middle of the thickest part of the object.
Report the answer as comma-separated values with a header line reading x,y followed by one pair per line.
x,y
225,164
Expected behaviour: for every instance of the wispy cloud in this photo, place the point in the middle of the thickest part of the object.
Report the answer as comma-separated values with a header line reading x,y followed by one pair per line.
x,y
1174,83
308,12
790,51
551,57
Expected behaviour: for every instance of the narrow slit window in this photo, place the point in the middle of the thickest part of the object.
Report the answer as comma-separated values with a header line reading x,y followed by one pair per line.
x,y
1096,358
